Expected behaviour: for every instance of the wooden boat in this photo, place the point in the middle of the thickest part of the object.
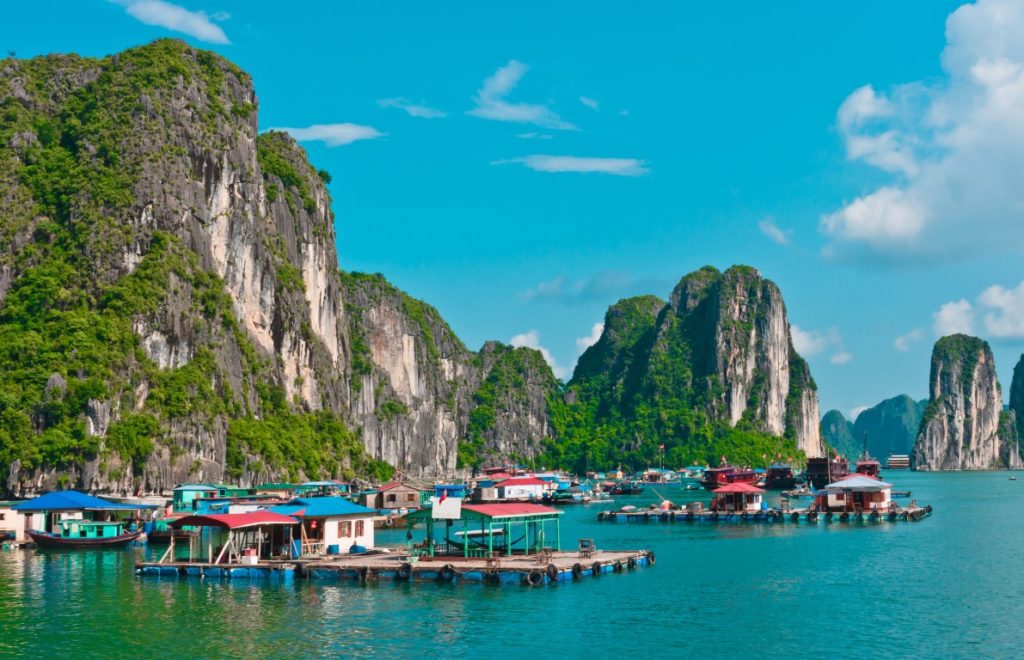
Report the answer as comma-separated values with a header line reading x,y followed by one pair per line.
x,y
627,488
823,471
725,475
779,477
85,534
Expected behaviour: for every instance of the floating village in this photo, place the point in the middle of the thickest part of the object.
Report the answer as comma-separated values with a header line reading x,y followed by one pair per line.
x,y
500,527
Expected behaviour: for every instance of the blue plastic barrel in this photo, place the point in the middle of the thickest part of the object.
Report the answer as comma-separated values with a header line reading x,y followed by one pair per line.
x,y
333,549
296,548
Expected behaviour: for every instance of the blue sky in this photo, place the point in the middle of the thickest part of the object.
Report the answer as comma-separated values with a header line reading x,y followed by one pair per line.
x,y
521,166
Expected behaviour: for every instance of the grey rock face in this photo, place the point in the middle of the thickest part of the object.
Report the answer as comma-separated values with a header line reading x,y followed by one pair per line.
x,y
963,426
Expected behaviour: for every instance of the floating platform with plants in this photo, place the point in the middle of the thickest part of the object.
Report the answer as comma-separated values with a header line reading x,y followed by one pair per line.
x,y
526,570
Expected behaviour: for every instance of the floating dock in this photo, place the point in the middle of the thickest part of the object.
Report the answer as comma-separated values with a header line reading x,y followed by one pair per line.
x,y
526,570
771,516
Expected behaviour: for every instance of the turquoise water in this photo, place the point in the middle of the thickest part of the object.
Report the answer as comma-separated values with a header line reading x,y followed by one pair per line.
x,y
950,585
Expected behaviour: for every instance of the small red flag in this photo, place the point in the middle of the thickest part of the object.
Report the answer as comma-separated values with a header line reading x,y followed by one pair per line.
x,y
444,496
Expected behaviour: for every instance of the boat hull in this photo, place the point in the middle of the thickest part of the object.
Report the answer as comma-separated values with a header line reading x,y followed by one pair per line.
x,y
44,540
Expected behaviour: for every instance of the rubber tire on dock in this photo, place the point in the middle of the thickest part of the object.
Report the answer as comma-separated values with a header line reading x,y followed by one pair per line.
x,y
446,574
552,572
404,571
631,563
535,578
577,571
647,517
617,566
812,516
650,558
492,577
596,568
795,517
844,517
892,516
600,516
664,517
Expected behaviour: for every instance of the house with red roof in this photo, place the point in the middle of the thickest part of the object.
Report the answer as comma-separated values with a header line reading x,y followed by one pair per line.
x,y
522,489
737,497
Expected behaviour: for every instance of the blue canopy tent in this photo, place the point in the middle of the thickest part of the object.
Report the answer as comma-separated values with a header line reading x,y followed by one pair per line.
x,y
72,500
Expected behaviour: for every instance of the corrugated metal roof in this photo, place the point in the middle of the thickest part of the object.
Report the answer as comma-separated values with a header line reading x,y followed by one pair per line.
x,y
72,500
505,510
738,487
321,507
235,520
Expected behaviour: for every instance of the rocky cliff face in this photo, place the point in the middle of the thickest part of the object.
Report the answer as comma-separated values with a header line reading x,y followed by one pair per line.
x,y
837,433
964,427
717,355
171,307
889,427
733,330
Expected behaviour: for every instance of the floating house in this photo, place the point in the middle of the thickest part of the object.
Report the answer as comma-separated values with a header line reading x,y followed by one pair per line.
x,y
856,493
236,538
395,495
523,489
488,530
738,497
283,490
183,496
13,523
330,525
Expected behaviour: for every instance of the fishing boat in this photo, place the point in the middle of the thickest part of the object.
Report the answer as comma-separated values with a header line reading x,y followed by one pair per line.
x,y
779,477
823,471
86,534
728,474
626,487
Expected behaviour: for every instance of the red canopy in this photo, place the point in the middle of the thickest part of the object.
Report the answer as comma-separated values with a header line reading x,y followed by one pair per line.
x,y
510,509
738,487
235,520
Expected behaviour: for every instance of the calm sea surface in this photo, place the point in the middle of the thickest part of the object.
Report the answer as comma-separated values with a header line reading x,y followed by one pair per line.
x,y
950,585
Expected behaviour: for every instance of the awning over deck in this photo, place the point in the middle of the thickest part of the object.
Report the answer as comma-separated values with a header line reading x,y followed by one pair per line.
x,y
72,500
235,520
738,487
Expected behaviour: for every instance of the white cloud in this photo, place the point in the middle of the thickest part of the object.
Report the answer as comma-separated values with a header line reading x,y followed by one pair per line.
x,y
590,103
855,413
954,149
532,135
903,342
811,342
775,233
178,19
954,317
412,109
603,286
842,357
333,135
585,165
491,102
1007,318
583,343
531,339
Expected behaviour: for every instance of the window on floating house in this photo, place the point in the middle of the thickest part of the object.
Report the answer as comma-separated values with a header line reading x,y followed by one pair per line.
x,y
410,497
360,527
346,528
392,497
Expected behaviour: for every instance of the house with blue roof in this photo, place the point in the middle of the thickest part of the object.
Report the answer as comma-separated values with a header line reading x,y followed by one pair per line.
x,y
330,525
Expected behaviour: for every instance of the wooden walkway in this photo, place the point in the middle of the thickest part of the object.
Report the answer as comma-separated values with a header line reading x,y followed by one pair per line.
x,y
526,570
904,514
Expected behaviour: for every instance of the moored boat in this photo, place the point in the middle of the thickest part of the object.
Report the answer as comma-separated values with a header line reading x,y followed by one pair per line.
x,y
85,534
779,477
823,471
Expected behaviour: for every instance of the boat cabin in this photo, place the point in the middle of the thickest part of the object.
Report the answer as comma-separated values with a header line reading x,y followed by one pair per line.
x,y
488,530
738,498
856,493
779,477
90,529
330,525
